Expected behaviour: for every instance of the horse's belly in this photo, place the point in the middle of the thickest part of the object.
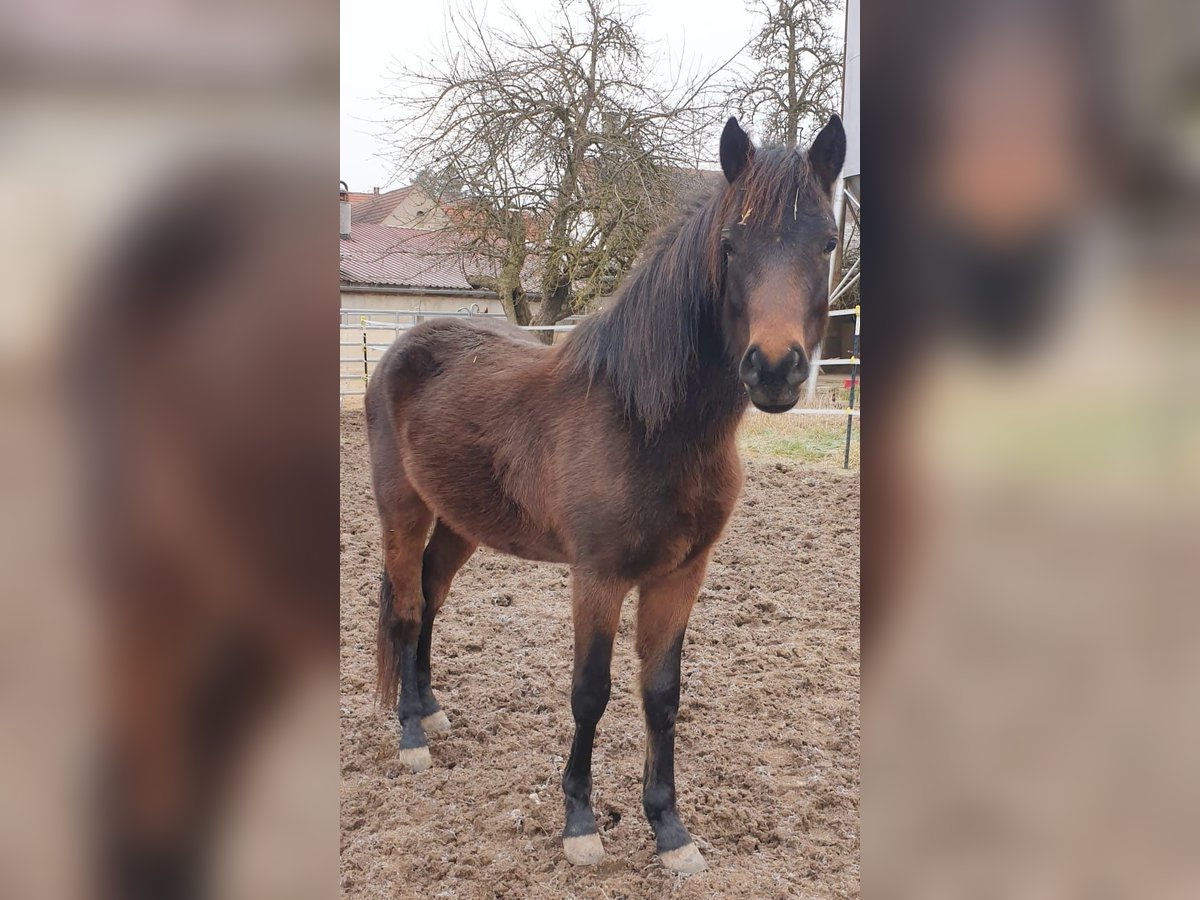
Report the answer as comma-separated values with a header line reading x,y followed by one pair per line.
x,y
464,494
506,534
538,551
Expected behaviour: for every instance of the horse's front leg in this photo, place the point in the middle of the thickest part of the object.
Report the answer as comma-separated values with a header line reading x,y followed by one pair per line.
x,y
664,606
596,611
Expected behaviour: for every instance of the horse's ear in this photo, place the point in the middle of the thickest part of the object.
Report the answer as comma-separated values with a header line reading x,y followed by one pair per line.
x,y
736,150
828,152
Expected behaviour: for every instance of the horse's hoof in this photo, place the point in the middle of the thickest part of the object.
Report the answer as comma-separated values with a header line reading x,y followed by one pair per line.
x,y
583,850
417,759
685,860
435,723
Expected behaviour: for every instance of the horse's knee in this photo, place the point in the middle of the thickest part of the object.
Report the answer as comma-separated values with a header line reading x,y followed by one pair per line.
x,y
592,682
406,626
660,688
589,699
400,612
661,707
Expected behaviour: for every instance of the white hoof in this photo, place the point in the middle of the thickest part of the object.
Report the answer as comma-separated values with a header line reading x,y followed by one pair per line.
x,y
584,850
417,759
686,860
435,723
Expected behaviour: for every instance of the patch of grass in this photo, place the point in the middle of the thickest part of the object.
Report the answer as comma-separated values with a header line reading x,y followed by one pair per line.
x,y
812,439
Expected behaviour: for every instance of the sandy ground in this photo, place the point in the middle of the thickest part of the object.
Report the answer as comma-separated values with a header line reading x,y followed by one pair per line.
x,y
768,735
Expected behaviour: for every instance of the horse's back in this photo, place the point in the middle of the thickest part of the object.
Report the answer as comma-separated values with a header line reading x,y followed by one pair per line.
x,y
441,369
433,347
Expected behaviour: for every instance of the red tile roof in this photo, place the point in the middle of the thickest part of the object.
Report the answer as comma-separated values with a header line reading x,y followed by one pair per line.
x,y
417,258
405,257
377,207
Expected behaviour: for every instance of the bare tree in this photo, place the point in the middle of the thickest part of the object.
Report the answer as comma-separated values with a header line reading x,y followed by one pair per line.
x,y
796,77
553,148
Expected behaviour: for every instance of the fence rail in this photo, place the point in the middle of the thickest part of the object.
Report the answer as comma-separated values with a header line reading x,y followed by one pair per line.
x,y
366,325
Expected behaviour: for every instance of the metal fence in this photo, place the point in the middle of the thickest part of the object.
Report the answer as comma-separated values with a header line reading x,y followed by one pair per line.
x,y
366,333
371,331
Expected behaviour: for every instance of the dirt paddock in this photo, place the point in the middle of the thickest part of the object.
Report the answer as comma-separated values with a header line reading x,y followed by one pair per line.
x,y
768,734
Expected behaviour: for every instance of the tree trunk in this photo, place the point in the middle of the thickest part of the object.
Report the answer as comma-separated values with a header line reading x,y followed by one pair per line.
x,y
554,308
516,307
507,284
512,297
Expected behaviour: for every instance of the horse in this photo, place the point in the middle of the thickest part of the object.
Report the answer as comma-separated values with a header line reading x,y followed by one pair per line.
x,y
612,451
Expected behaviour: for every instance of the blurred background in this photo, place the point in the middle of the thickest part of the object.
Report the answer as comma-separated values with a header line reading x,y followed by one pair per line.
x,y
169,449
1031,479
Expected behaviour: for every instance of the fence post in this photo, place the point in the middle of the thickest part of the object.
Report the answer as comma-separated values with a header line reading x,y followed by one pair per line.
x,y
362,320
853,385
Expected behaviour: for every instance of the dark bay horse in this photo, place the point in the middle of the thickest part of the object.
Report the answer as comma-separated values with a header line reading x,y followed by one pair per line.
x,y
612,451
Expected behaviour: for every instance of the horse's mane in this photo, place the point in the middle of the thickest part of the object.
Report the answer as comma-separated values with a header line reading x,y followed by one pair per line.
x,y
647,342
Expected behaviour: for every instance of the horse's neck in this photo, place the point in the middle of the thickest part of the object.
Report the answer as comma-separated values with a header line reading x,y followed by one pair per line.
x,y
714,400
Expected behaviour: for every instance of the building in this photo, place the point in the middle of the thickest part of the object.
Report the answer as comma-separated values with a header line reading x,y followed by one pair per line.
x,y
385,267
406,207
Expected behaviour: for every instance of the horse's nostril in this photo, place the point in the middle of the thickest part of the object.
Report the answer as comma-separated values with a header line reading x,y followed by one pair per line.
x,y
796,367
751,367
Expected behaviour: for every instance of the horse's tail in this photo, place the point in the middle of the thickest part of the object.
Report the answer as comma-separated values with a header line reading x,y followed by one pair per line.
x,y
387,659
384,461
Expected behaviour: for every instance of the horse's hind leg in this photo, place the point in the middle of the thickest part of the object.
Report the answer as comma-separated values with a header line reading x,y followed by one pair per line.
x,y
664,606
596,611
444,556
405,522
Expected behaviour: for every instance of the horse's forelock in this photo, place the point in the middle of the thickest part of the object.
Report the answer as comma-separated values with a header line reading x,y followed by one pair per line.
x,y
780,185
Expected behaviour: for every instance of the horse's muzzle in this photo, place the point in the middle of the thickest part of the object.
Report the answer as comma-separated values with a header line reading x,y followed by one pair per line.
x,y
774,385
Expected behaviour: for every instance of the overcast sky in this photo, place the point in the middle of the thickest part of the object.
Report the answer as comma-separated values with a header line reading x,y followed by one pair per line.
x,y
377,32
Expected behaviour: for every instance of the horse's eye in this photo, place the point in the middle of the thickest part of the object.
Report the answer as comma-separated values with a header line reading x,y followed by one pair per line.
x,y
726,245
831,245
